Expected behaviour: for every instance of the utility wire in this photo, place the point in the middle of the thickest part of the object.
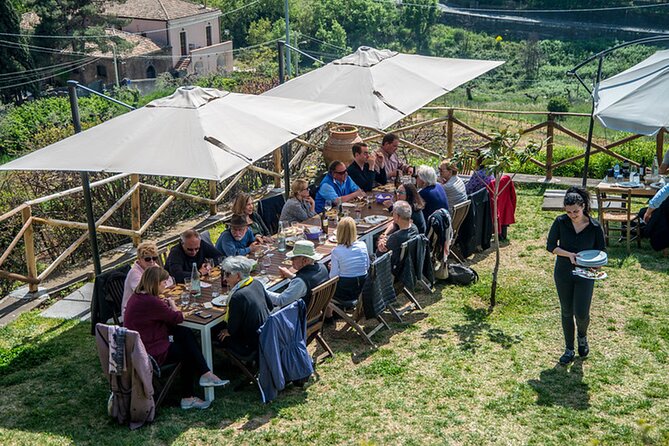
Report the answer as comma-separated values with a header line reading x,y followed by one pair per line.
x,y
545,11
47,77
8,77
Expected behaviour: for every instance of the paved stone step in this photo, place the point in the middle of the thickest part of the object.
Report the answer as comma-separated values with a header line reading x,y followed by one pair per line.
x,y
75,305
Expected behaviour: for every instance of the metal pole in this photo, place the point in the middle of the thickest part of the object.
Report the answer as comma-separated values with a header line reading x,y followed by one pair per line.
x,y
115,65
282,72
588,146
287,13
285,149
92,235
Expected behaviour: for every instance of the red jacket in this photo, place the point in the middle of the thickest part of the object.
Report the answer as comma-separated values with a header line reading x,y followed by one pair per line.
x,y
506,204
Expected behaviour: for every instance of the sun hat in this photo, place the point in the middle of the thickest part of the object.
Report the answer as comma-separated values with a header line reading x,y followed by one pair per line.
x,y
238,221
304,248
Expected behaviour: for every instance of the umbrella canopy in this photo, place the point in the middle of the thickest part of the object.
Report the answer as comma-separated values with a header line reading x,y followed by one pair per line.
x,y
171,136
635,100
385,86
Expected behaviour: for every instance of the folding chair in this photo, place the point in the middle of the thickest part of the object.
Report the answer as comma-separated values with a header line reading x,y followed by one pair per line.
x,y
269,209
619,211
320,299
406,276
460,212
372,301
247,364
108,296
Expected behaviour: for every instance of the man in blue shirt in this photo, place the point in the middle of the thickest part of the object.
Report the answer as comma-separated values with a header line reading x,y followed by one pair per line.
x,y
238,239
656,201
337,187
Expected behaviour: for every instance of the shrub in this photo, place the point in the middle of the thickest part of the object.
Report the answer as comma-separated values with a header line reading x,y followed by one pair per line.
x,y
558,104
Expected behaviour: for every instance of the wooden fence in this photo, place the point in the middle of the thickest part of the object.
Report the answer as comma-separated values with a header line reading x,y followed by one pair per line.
x,y
139,226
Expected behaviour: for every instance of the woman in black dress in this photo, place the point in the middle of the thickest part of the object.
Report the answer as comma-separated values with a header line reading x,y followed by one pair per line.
x,y
571,233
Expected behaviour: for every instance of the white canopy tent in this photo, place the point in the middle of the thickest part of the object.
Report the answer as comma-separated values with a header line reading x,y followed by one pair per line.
x,y
635,100
195,133
383,85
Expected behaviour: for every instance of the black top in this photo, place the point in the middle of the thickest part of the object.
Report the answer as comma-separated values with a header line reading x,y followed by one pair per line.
x,y
364,177
395,241
562,234
248,309
179,264
312,275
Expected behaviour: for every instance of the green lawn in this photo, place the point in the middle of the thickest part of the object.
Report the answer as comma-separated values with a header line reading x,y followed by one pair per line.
x,y
453,374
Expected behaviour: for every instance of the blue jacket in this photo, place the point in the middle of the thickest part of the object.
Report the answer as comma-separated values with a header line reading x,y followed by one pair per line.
x,y
283,350
227,244
330,189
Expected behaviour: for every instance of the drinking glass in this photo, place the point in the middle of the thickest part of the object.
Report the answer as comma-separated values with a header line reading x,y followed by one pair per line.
x,y
266,262
322,237
358,215
327,205
187,284
185,299
368,201
209,265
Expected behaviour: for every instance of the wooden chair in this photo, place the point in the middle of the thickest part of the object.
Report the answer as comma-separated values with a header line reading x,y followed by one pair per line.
x,y
248,365
618,210
401,287
320,299
466,166
460,211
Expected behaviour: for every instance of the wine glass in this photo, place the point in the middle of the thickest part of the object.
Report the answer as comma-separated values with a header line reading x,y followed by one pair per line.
x,y
327,205
266,262
209,262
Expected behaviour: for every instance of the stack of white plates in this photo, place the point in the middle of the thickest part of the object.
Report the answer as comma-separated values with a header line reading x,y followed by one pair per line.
x,y
591,258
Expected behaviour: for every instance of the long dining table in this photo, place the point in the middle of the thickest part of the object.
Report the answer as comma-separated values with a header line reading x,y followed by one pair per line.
x,y
201,315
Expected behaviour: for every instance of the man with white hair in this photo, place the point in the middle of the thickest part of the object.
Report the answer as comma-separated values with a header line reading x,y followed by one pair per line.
x,y
406,230
308,275
192,249
249,306
433,194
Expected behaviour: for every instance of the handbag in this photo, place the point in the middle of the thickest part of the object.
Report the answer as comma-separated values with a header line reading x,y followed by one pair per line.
x,y
459,274
441,270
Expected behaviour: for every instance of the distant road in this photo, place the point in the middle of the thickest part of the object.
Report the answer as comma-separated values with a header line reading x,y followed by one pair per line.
x,y
547,22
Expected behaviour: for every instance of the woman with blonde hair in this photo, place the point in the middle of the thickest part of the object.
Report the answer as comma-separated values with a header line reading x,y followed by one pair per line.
x,y
156,320
244,206
147,256
300,206
349,261
456,191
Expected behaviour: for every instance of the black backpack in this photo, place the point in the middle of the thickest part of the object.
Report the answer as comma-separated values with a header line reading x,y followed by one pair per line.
x,y
459,274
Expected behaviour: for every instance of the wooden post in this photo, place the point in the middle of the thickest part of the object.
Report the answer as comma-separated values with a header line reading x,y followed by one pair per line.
x,y
29,242
212,195
659,146
135,211
449,134
549,146
277,167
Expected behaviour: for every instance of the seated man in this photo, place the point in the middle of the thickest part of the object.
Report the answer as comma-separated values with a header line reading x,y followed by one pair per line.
x,y
192,249
406,231
361,170
337,187
656,218
238,239
388,165
453,185
147,255
309,275
248,306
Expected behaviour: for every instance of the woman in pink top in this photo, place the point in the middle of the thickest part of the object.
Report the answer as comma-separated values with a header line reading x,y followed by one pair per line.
x,y
147,255
157,319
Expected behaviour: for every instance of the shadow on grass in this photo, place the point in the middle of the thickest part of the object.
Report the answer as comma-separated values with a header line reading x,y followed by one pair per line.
x,y
562,386
56,390
470,333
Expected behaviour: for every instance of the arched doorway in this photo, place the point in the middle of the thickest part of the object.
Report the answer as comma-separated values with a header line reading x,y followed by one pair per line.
x,y
150,72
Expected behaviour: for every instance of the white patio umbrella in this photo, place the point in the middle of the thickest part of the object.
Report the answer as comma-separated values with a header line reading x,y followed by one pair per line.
x,y
636,99
171,136
385,86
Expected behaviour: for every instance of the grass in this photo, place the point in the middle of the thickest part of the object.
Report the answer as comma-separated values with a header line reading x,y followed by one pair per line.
x,y
453,374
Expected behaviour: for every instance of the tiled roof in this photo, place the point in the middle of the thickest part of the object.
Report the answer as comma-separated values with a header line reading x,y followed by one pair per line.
x,y
140,46
156,9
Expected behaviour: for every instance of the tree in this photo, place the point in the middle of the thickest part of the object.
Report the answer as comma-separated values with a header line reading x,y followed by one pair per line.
x,y
419,16
498,155
15,60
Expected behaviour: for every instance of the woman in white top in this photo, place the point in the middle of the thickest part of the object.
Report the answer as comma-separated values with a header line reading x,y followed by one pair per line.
x,y
349,261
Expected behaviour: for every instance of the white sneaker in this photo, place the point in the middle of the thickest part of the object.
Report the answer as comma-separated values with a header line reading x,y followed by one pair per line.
x,y
194,403
213,382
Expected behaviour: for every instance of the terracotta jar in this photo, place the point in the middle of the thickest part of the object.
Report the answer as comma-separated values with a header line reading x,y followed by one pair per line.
x,y
339,143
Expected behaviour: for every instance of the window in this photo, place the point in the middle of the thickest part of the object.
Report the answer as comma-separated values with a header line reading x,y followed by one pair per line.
x,y
208,33
150,72
182,39
101,70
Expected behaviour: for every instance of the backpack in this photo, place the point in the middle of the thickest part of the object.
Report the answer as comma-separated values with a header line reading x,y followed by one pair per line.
x,y
459,274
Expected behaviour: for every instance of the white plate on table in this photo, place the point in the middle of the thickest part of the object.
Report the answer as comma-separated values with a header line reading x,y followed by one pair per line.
x,y
220,301
629,184
375,219
657,185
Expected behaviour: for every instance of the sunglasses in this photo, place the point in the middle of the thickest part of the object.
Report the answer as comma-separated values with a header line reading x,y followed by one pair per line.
x,y
343,172
149,259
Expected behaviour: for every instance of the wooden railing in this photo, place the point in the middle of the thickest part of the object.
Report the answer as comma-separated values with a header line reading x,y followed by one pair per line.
x,y
546,130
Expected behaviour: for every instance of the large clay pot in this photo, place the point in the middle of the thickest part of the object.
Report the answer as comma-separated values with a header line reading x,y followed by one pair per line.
x,y
339,143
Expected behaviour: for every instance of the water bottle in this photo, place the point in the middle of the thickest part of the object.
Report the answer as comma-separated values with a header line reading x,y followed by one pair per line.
x,y
195,288
616,171
281,238
656,168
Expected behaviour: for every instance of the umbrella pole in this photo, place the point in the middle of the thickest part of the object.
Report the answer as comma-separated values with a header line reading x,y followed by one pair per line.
x,y
286,169
86,184
588,146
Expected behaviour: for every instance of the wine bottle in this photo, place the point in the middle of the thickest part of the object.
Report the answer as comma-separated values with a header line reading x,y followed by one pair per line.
x,y
642,170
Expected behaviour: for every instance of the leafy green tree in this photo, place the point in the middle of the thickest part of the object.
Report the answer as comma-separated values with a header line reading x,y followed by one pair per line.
x,y
419,16
14,57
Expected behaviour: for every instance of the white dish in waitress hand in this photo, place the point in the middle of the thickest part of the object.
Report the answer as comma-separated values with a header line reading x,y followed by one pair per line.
x,y
592,258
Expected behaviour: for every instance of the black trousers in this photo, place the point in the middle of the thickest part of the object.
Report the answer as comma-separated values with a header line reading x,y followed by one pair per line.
x,y
186,350
348,290
575,295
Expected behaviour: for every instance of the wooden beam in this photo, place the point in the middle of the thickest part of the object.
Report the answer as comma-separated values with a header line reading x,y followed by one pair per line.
x,y
29,246
507,112
177,194
184,185
449,134
230,185
27,224
550,141
13,212
83,226
19,277
659,146
77,189
472,129
212,196
276,158
135,210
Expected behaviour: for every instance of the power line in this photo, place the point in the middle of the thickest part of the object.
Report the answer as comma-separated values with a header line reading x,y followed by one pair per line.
x,y
24,73
545,11
47,77
240,8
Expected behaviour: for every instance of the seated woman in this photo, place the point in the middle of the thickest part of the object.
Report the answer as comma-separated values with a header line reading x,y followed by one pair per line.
x,y
157,319
408,193
349,261
248,306
300,206
147,256
431,192
244,206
